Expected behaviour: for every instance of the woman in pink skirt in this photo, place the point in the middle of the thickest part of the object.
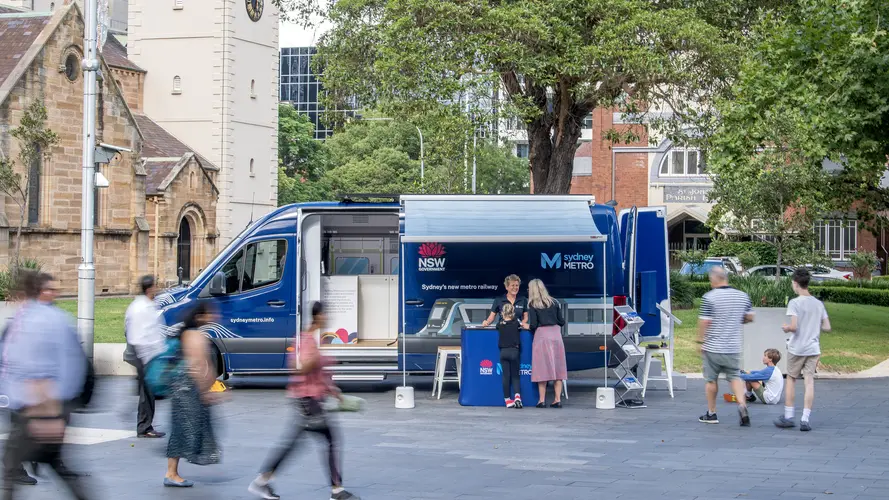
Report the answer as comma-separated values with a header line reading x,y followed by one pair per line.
x,y
548,353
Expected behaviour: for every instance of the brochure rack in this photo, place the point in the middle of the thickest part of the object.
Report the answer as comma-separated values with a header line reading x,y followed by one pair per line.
x,y
628,388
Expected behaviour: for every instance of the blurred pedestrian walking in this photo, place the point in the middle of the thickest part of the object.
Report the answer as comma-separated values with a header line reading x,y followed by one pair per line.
x,y
143,329
310,386
15,299
178,367
44,374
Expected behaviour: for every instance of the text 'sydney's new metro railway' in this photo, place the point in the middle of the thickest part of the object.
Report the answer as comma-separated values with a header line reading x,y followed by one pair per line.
x,y
402,278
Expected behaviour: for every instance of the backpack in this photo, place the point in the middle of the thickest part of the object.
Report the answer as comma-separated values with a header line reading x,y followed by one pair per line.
x,y
162,370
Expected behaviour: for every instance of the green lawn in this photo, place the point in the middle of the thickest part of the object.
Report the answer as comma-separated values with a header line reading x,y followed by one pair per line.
x,y
109,317
858,340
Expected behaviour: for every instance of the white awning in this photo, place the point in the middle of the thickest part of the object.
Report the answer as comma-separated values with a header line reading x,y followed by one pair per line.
x,y
521,218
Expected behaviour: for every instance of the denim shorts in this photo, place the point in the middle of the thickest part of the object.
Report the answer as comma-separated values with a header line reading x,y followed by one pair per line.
x,y
716,363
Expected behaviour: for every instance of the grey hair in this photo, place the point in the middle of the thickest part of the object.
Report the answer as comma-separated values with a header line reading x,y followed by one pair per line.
x,y
718,273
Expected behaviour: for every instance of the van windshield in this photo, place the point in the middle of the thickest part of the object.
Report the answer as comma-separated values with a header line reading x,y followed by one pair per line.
x,y
216,260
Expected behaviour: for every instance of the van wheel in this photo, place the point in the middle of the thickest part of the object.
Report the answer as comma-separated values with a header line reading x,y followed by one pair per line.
x,y
215,365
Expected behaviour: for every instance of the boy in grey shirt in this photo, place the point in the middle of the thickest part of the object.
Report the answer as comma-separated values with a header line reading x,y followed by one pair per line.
x,y
808,318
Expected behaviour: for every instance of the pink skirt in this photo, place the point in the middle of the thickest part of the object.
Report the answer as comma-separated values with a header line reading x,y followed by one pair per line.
x,y
548,355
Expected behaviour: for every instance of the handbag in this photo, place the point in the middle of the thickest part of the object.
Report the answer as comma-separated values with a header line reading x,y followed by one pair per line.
x,y
129,355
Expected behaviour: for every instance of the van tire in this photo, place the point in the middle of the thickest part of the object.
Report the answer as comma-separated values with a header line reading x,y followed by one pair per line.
x,y
215,364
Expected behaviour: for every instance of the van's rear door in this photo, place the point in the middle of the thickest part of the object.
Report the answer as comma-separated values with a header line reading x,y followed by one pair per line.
x,y
647,263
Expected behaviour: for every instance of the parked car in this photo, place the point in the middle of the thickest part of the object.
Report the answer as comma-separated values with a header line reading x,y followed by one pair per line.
x,y
819,273
703,269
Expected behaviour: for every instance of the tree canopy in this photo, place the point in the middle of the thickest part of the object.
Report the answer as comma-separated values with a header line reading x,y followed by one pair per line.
x,y
813,87
380,155
549,62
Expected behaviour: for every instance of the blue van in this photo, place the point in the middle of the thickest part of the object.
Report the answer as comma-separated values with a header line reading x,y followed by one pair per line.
x,y
402,278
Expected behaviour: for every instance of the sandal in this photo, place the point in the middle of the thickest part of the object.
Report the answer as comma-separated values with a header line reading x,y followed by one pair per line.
x,y
541,405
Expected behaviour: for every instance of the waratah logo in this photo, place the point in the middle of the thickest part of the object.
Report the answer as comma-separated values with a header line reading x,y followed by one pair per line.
x,y
486,367
432,257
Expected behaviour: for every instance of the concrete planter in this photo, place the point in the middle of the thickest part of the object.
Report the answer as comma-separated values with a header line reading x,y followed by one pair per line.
x,y
765,333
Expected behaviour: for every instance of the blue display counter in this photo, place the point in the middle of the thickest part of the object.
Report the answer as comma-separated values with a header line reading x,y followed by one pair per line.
x,y
482,380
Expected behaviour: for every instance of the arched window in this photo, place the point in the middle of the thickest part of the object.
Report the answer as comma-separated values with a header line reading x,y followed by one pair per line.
x,y
72,67
252,173
177,84
682,162
252,88
191,180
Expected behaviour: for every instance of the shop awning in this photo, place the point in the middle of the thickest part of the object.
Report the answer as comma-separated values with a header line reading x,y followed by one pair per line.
x,y
521,218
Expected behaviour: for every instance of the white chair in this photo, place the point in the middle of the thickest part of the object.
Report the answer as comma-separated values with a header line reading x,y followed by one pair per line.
x,y
441,362
666,353
664,350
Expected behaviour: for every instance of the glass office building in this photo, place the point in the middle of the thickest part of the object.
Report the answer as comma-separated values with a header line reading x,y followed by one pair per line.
x,y
301,88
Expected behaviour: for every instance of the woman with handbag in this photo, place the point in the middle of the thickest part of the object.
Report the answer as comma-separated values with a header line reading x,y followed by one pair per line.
x,y
180,373
310,386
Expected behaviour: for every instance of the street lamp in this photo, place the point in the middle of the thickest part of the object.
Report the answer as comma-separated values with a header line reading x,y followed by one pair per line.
x,y
420,133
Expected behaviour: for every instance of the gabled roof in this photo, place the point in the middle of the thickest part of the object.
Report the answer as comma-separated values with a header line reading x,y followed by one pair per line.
x,y
115,54
5,9
18,32
165,156
160,144
158,171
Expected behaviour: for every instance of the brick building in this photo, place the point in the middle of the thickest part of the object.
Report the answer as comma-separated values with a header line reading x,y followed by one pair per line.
x,y
159,211
655,171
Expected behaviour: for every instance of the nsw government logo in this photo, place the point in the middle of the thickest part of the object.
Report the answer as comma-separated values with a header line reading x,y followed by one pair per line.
x,y
568,262
432,257
486,367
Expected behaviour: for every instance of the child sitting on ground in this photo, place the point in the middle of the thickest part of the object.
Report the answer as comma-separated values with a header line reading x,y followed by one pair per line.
x,y
767,384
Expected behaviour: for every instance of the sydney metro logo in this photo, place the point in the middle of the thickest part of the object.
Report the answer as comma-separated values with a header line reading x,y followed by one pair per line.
x,y
486,367
432,257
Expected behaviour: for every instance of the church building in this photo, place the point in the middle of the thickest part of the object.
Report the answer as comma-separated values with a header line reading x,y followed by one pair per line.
x,y
158,214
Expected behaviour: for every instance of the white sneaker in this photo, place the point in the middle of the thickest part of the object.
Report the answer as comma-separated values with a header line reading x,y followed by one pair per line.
x,y
263,491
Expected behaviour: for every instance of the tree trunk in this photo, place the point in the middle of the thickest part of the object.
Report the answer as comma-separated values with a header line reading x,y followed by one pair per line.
x,y
551,153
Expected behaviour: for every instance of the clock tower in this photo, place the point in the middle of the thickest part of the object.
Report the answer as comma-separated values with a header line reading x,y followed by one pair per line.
x,y
212,81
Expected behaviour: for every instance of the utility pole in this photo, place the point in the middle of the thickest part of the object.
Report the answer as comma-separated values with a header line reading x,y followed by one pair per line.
x,y
86,273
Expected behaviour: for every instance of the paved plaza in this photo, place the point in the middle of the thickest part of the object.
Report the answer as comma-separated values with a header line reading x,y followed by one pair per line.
x,y
441,450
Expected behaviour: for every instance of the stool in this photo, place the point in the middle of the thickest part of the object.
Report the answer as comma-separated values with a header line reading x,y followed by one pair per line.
x,y
663,351
441,361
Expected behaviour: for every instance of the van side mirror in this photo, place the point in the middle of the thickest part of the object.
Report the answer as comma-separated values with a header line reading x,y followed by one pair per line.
x,y
217,284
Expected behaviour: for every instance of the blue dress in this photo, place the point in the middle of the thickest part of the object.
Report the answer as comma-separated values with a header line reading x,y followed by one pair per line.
x,y
192,437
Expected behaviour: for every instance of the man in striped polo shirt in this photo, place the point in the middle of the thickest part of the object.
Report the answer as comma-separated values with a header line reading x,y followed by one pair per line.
x,y
724,310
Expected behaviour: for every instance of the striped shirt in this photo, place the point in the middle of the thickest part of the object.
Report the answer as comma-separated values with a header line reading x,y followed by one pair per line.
x,y
725,308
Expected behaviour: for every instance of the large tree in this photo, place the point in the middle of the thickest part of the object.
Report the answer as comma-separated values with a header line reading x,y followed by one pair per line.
x,y
556,60
814,86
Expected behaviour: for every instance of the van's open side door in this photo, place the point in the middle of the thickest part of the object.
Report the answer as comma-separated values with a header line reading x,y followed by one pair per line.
x,y
643,233
309,266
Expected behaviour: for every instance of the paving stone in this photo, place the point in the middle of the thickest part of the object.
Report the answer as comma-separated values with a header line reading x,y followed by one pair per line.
x,y
440,450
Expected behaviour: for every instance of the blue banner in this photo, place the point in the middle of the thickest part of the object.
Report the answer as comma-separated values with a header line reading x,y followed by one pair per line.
x,y
453,285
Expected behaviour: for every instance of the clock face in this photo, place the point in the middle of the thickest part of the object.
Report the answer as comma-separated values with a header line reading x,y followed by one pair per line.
x,y
254,9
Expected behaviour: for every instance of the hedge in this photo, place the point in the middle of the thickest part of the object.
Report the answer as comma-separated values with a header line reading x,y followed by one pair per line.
x,y
723,248
845,295
836,294
878,284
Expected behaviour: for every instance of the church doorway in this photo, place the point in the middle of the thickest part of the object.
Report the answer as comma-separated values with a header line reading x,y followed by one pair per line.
x,y
183,254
